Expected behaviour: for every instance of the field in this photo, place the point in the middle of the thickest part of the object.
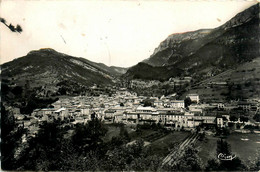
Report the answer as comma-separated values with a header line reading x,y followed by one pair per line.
x,y
114,131
244,148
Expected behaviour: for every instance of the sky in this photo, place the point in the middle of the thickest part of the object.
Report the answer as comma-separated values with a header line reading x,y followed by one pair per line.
x,y
116,33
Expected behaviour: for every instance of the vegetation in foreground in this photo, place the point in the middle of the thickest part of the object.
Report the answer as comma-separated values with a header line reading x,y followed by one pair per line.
x,y
85,150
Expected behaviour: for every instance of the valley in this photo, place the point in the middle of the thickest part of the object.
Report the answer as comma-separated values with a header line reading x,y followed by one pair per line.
x,y
196,97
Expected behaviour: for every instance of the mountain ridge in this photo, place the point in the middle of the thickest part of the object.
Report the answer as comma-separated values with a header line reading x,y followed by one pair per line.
x,y
48,69
207,52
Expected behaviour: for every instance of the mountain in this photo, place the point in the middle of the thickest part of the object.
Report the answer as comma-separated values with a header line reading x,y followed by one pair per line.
x,y
49,68
206,52
113,70
148,72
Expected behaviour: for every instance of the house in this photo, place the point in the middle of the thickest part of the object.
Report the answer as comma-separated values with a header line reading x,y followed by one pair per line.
x,y
47,111
130,118
109,115
194,97
78,119
118,117
176,120
169,110
158,103
141,109
195,108
190,123
57,104
44,114
148,118
61,113
244,105
221,105
209,120
177,104
220,122
85,111
18,117
118,108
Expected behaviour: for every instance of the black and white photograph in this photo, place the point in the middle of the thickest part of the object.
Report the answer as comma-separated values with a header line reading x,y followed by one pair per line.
x,y
121,85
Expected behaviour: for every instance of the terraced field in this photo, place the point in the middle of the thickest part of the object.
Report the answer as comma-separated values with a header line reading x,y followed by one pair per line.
x,y
242,81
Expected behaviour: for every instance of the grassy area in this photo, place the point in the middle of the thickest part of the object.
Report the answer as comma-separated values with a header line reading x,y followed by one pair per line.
x,y
113,131
244,148
207,148
143,134
241,148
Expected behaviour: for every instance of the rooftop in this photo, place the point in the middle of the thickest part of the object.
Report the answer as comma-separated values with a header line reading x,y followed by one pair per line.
x,y
145,108
59,110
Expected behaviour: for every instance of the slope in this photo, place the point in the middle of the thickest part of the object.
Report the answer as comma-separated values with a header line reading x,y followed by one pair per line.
x,y
47,66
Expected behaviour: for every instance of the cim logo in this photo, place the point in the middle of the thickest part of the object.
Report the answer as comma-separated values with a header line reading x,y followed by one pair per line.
x,y
225,157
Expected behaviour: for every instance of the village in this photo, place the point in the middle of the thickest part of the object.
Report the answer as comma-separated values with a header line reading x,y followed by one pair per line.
x,y
127,108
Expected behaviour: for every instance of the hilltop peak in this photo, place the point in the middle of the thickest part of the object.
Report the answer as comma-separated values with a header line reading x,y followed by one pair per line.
x,y
47,49
44,51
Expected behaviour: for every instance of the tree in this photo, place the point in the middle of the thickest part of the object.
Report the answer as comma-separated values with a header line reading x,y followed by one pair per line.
x,y
17,90
187,102
147,102
135,157
89,135
257,117
212,165
225,131
3,20
7,139
124,134
233,118
243,118
254,164
43,151
234,164
18,28
50,151
225,165
11,27
202,136
223,147
186,161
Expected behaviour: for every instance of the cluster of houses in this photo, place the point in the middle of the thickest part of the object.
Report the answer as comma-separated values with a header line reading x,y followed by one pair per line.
x,y
177,81
128,108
